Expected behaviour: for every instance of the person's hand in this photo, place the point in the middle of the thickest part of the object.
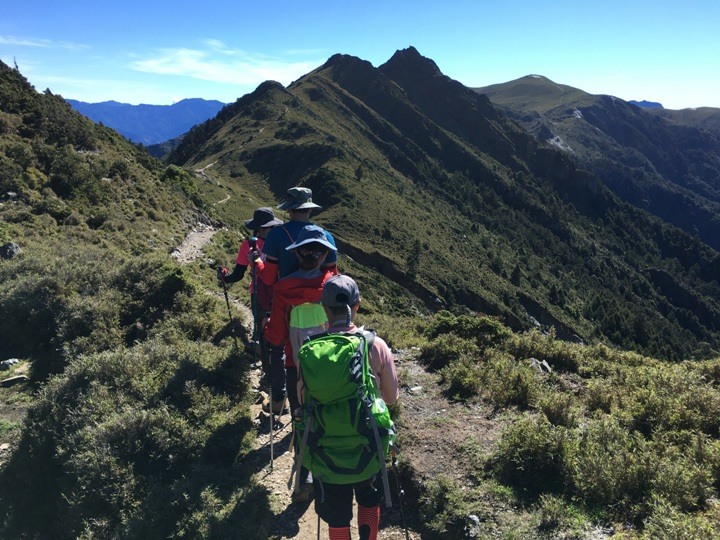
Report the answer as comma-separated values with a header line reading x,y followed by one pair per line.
x,y
253,257
221,273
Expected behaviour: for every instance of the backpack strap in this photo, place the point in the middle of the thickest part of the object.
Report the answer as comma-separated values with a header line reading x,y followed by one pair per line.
x,y
292,240
368,338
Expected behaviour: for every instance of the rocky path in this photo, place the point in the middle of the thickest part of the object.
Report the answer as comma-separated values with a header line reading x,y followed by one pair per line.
x,y
296,520
291,520
191,248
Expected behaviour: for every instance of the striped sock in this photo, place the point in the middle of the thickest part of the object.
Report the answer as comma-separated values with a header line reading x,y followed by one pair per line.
x,y
340,533
368,522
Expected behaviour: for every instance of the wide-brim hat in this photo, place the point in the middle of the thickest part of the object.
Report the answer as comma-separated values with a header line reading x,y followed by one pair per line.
x,y
299,198
311,234
263,217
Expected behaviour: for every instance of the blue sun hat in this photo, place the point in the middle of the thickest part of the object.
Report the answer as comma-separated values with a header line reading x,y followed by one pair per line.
x,y
311,234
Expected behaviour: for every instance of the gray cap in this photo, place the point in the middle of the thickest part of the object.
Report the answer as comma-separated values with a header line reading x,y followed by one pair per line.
x,y
340,291
299,198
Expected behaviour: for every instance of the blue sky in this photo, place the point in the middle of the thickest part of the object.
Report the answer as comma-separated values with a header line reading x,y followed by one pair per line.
x,y
159,52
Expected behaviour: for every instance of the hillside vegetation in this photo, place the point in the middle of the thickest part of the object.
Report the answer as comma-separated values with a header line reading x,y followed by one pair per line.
x,y
137,404
426,182
665,162
593,443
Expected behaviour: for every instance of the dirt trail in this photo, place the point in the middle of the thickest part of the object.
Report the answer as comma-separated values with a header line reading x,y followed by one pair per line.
x,y
298,521
191,248
291,521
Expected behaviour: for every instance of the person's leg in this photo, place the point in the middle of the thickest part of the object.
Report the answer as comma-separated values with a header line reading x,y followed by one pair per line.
x,y
333,503
369,499
260,340
277,374
292,376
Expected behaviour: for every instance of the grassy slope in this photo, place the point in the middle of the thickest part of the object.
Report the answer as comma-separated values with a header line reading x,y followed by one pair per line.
x,y
426,183
137,418
148,430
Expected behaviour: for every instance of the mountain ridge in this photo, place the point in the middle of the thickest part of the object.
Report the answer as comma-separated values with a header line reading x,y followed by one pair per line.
x,y
670,168
399,147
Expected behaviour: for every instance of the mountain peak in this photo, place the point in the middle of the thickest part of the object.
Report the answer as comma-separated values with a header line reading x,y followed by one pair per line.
x,y
411,61
644,104
344,60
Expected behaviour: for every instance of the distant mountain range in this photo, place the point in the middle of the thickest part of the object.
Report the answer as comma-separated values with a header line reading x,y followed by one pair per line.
x,y
149,124
666,162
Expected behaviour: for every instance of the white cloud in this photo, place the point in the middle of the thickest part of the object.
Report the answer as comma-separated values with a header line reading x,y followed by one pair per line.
x,y
219,63
39,42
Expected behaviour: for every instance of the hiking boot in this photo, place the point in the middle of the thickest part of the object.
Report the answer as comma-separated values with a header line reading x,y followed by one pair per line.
x,y
277,406
305,493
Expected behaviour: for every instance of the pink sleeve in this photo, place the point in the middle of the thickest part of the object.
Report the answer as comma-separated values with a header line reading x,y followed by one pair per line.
x,y
383,365
242,256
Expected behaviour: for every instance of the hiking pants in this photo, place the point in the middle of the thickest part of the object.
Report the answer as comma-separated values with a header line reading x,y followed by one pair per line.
x,y
259,337
278,376
334,502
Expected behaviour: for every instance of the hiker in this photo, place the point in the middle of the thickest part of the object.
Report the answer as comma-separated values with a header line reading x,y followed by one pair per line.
x,y
280,262
261,224
334,484
296,313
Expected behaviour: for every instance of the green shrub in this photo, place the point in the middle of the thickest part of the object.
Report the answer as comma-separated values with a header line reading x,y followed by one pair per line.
x,y
598,396
557,514
137,440
486,331
90,301
666,522
667,397
463,376
530,456
443,508
447,348
609,467
560,409
560,355
507,383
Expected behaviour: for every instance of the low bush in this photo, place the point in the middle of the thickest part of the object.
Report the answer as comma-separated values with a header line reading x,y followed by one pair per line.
x,y
560,355
530,456
136,442
463,377
506,383
485,331
667,522
447,348
444,508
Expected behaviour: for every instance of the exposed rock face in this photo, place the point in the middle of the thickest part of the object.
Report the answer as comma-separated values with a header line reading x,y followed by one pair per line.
x,y
10,250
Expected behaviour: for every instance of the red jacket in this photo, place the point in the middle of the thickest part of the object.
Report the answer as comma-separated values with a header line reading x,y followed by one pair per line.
x,y
289,292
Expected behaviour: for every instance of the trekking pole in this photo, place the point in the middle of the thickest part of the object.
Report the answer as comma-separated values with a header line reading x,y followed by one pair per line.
x,y
270,409
227,303
253,303
400,494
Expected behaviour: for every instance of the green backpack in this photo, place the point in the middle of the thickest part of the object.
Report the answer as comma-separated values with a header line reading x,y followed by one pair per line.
x,y
345,426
